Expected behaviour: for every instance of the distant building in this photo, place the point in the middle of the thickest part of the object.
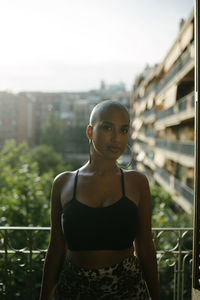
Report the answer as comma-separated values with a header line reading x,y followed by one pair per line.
x,y
8,117
162,111
16,118
22,114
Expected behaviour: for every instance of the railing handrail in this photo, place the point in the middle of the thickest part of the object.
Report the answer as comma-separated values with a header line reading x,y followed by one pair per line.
x,y
48,228
24,228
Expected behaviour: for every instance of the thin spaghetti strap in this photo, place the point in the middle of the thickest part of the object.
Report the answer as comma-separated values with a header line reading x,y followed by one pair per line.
x,y
75,184
122,177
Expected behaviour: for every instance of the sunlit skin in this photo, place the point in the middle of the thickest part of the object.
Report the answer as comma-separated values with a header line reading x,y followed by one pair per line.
x,y
99,185
109,135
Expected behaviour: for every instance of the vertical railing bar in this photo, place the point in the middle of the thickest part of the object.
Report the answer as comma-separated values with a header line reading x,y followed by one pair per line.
x,y
183,279
183,275
179,265
30,270
175,277
6,263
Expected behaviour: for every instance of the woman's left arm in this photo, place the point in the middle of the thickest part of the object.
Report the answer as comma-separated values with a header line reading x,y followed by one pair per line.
x,y
144,245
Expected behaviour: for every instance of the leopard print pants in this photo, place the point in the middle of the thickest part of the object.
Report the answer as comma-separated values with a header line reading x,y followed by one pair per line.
x,y
122,281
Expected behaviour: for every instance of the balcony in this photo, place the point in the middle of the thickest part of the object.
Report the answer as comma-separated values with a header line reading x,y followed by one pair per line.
x,y
183,194
22,261
182,110
144,153
186,148
180,65
149,116
181,152
145,136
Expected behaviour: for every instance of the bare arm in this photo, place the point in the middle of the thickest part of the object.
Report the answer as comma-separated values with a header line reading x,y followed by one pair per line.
x,y
145,249
57,249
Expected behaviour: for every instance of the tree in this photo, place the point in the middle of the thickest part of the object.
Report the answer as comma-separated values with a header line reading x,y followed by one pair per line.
x,y
48,160
24,194
52,132
24,198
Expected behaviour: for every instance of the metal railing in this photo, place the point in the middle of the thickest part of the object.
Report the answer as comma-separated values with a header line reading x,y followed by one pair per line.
x,y
149,113
177,67
179,147
174,251
22,251
176,185
184,104
150,133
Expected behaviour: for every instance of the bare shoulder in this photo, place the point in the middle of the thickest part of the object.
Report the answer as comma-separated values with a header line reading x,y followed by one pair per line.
x,y
60,181
136,186
137,177
62,178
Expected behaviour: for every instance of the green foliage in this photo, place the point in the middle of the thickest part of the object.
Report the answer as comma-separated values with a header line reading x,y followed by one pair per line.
x,y
165,213
25,184
48,160
52,133
24,194
75,163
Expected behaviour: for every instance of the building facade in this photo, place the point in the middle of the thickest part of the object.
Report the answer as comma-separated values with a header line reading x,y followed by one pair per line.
x,y
163,110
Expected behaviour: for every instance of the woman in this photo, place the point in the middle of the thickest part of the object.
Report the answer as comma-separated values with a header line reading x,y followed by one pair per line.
x,y
101,244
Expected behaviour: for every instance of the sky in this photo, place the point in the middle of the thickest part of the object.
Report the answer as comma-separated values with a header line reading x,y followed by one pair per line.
x,y
71,45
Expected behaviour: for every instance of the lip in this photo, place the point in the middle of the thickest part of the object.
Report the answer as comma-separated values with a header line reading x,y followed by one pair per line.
x,y
114,149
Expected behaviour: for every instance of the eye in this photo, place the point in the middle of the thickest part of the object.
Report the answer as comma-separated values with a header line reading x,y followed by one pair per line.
x,y
107,127
124,131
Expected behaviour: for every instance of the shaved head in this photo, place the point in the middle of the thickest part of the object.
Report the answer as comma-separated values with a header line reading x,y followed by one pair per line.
x,y
102,107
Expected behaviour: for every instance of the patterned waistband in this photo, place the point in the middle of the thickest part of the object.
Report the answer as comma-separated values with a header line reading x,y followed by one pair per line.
x,y
124,263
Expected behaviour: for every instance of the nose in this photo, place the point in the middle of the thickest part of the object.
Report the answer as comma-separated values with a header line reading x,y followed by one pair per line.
x,y
115,135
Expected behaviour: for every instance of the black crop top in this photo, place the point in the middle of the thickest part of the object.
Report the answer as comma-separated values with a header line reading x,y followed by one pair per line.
x,y
112,227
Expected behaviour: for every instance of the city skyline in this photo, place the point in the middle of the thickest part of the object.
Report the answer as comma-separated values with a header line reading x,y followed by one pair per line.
x,y
73,45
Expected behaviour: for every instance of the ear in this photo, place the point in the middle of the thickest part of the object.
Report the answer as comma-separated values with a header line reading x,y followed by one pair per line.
x,y
89,132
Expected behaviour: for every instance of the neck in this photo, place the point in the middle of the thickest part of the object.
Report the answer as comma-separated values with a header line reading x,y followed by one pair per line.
x,y
100,166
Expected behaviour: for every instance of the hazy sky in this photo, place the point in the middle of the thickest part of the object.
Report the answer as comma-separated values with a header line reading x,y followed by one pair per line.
x,y
71,45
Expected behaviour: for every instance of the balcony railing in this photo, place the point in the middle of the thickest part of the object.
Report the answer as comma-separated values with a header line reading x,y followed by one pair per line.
x,y
178,66
22,251
182,105
176,185
149,113
150,134
150,90
186,148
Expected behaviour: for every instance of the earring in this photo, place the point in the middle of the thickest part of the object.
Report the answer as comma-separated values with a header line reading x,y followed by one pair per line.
x,y
90,151
131,161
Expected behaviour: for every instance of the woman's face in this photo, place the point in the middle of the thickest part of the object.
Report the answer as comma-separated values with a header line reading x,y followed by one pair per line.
x,y
110,133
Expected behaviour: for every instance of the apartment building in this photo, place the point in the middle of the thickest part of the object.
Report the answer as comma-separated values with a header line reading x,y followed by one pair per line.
x,y
16,118
8,117
162,111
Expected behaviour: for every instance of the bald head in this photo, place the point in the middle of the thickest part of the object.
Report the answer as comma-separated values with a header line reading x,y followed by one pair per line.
x,y
103,107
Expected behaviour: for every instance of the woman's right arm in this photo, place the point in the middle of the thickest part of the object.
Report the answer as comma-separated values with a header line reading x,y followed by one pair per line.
x,y
57,248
